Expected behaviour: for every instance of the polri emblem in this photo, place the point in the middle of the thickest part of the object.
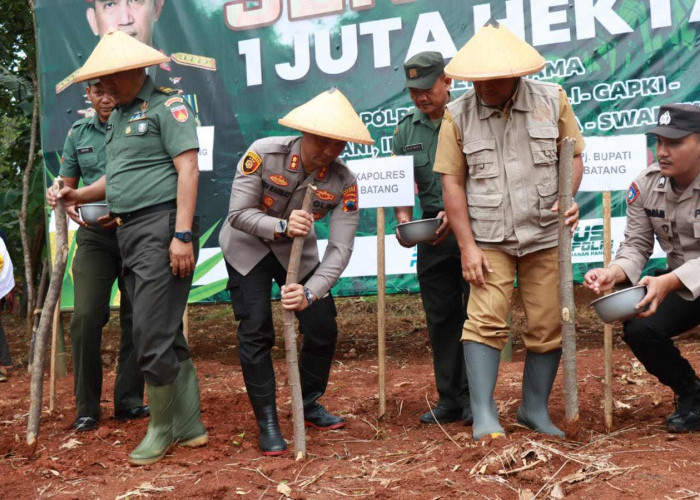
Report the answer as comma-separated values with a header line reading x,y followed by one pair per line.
x,y
350,199
251,163
665,119
633,193
180,113
268,201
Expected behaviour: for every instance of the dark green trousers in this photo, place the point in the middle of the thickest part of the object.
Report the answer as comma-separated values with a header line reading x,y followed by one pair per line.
x,y
158,297
445,295
95,267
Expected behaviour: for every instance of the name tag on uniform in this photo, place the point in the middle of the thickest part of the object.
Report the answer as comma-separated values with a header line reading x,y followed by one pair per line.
x,y
414,147
82,151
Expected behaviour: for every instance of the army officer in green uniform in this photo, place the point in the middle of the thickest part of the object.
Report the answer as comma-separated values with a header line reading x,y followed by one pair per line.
x,y
96,265
443,290
151,188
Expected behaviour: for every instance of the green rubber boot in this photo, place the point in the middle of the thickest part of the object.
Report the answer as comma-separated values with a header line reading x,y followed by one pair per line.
x,y
159,435
482,371
538,377
188,429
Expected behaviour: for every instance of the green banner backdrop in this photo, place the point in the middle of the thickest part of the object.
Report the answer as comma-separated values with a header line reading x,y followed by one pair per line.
x,y
243,64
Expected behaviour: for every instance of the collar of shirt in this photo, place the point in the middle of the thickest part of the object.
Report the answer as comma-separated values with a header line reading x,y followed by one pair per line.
x,y
517,101
96,123
420,117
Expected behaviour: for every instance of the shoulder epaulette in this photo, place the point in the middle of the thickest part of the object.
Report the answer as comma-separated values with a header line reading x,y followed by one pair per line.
x,y
272,148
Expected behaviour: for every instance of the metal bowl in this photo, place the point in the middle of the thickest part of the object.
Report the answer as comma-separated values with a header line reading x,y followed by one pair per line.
x,y
619,306
90,212
418,231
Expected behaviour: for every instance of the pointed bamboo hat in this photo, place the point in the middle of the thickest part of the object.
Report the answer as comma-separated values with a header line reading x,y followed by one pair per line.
x,y
117,52
329,114
494,52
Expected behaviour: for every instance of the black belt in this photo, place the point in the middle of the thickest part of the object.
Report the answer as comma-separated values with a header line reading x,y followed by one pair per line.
x,y
122,219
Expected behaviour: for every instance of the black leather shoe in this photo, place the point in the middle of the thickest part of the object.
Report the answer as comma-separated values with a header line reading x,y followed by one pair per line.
x,y
83,424
467,417
131,413
321,419
442,414
686,418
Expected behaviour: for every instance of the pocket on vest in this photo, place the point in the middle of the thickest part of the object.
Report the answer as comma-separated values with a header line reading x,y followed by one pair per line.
x,y
481,158
547,194
543,143
486,216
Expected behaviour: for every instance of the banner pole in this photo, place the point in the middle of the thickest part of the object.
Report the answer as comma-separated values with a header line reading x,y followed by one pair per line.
x,y
607,329
381,313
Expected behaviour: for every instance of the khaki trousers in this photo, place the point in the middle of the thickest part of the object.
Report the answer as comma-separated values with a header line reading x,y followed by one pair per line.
x,y
538,281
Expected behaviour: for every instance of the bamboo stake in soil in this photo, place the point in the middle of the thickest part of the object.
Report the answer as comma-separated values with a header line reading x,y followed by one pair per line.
x,y
36,313
36,385
290,339
607,329
381,311
54,354
566,282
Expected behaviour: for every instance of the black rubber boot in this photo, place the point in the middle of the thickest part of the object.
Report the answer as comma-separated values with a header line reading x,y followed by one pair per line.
x,y
260,384
686,418
314,372
538,377
482,371
442,414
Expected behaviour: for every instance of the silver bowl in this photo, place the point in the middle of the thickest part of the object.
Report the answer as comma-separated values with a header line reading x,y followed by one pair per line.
x,y
619,306
418,231
90,212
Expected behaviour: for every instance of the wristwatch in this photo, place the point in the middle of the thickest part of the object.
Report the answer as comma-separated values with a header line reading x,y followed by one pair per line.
x,y
309,296
185,236
281,227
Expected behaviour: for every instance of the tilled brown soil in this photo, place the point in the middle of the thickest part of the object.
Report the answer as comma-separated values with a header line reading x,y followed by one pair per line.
x,y
392,457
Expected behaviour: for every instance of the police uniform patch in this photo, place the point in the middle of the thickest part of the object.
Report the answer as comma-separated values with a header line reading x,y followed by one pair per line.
x,y
172,101
268,201
350,199
251,163
180,113
632,193
280,180
325,195
294,163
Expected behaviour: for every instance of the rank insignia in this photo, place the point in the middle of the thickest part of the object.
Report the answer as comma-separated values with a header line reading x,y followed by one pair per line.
x,y
661,183
632,193
294,163
173,100
268,201
325,195
350,199
321,174
180,113
208,63
251,163
280,180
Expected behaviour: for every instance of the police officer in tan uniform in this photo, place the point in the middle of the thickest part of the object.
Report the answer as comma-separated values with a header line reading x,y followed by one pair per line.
x,y
664,201
499,143
264,216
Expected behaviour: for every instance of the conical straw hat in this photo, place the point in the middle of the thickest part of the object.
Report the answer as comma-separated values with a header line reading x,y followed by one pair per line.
x,y
117,52
329,114
494,52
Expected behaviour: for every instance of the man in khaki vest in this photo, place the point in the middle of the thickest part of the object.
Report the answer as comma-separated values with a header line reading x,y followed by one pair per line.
x,y
264,217
498,145
664,201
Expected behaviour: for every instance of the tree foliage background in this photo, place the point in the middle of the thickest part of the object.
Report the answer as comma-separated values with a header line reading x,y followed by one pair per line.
x,y
17,63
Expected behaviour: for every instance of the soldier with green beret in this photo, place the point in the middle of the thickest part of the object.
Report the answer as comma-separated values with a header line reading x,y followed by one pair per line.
x,y
151,189
443,290
96,265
